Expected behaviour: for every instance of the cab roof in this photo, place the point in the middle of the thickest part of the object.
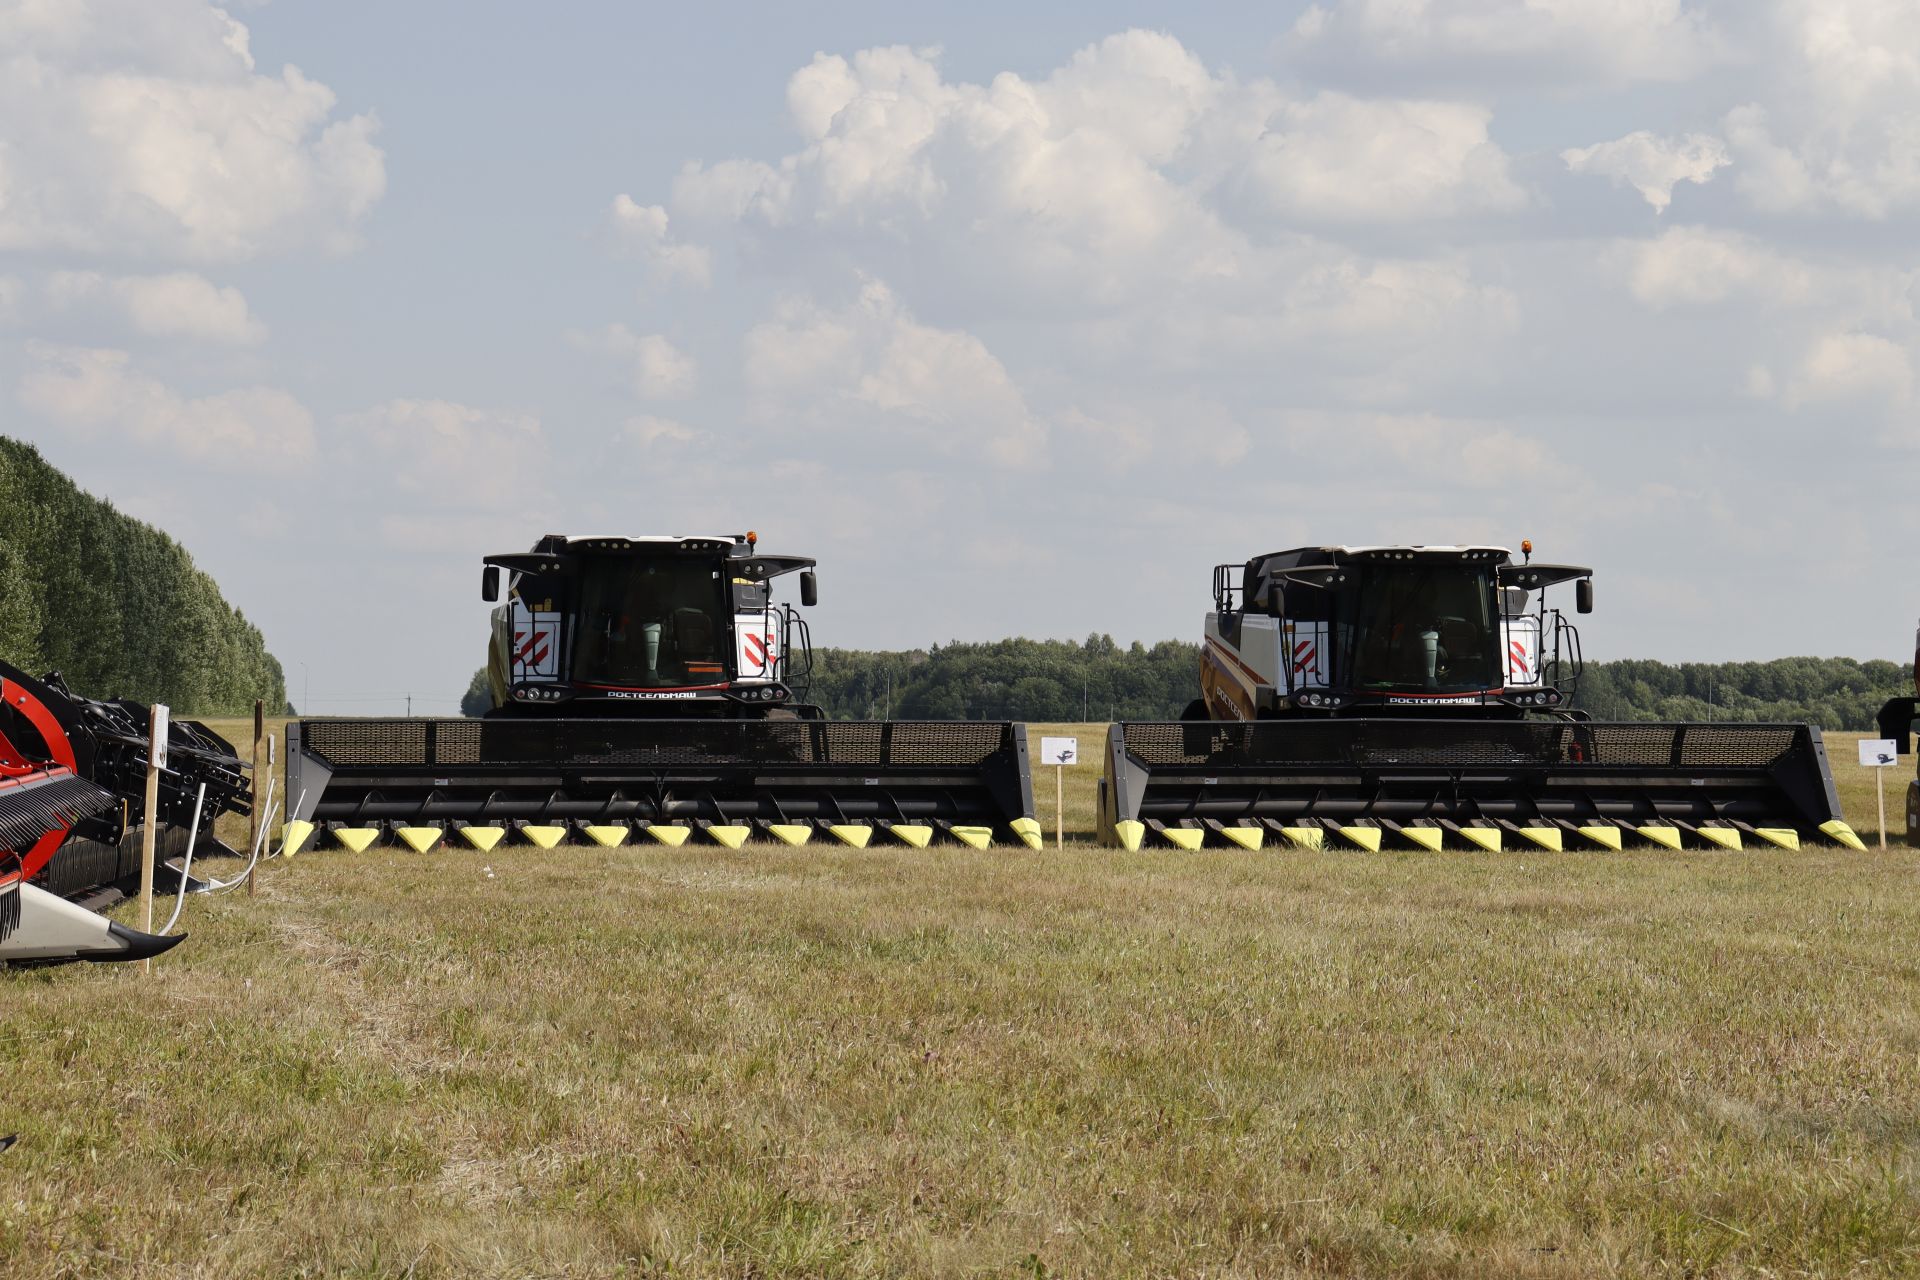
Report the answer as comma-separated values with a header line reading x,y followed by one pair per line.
x,y
1301,557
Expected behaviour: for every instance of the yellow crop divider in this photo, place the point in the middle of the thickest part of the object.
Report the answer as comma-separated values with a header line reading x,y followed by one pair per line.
x,y
483,838
419,839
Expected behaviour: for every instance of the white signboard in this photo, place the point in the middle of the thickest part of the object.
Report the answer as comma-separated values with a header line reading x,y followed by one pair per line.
x,y
157,752
1878,753
1059,751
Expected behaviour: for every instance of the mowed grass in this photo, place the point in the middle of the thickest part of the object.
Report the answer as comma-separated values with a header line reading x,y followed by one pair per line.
x,y
829,1062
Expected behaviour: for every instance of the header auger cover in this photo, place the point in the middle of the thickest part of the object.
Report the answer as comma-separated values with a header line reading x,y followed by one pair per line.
x,y
649,688
72,790
1423,697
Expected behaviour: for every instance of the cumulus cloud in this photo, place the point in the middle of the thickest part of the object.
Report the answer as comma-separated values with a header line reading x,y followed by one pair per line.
x,y
1604,40
643,230
1837,127
99,389
456,451
177,304
1853,368
871,366
1702,265
1651,165
143,126
1162,209
656,369
1336,157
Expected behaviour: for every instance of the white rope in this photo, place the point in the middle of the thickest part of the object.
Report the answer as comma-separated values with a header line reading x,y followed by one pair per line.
x,y
193,838
259,842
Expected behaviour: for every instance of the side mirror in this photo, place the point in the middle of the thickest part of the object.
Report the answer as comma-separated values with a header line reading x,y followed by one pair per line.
x,y
1583,595
809,588
490,583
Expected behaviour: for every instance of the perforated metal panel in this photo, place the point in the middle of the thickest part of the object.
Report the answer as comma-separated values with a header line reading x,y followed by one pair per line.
x,y
1462,743
569,743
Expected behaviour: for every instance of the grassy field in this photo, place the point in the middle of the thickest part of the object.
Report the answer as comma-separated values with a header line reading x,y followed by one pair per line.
x,y
828,1062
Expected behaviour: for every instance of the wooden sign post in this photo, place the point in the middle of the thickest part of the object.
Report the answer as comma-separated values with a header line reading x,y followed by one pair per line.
x,y
1059,752
253,819
149,816
1876,754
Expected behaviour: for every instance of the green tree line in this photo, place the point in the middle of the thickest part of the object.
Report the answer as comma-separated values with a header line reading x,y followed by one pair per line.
x,y
1097,679
115,605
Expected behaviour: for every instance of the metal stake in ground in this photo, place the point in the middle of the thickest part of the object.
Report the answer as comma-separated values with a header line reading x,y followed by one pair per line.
x,y
156,761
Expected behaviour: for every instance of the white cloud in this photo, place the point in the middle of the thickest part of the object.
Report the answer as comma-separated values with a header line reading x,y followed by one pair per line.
x,y
1335,157
176,304
142,126
12,289
1853,368
1652,165
643,229
650,432
454,452
871,366
655,368
1701,265
1473,453
1165,207
1606,40
96,388
1836,126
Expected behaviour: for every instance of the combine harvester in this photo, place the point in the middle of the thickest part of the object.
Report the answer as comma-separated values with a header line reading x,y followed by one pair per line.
x,y
1422,696
1897,719
646,688
72,799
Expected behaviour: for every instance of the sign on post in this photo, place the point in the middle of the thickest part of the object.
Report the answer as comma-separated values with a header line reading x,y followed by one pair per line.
x,y
158,753
1059,752
1876,754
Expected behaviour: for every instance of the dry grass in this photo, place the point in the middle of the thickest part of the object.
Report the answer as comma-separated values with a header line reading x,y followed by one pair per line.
x,y
828,1062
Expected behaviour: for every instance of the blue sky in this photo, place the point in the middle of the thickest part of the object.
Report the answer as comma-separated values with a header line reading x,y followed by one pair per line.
x,y
1018,321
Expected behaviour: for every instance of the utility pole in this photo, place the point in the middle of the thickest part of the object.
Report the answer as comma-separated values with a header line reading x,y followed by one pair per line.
x,y
409,706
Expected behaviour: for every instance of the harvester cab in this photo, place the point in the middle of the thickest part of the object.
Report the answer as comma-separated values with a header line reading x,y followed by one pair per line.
x,y
650,625
1343,631
1422,697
